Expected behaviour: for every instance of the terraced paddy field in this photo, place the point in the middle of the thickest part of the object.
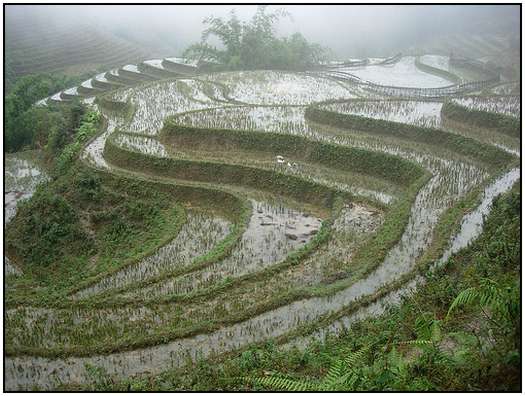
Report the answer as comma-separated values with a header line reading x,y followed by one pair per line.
x,y
281,207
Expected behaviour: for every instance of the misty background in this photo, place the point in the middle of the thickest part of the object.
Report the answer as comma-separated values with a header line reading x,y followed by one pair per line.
x,y
113,34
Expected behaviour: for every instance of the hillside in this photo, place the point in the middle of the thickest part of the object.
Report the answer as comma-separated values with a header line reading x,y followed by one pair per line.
x,y
70,46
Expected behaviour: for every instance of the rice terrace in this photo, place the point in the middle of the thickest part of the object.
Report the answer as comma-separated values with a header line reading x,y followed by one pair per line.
x,y
222,203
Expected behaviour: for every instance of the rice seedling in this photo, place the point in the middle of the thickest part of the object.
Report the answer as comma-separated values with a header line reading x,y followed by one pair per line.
x,y
508,105
426,114
199,234
142,144
271,87
157,101
272,234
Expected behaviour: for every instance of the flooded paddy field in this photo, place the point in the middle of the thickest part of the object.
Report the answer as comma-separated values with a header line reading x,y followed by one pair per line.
x,y
437,61
426,114
286,265
198,235
281,88
507,105
401,74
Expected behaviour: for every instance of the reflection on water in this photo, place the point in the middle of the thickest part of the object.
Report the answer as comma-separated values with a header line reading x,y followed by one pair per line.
x,y
25,372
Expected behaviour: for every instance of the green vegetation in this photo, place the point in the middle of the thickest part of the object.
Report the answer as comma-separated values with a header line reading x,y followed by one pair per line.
x,y
48,229
500,123
415,346
78,227
158,241
254,45
29,126
48,226
462,145
207,171
331,155
88,128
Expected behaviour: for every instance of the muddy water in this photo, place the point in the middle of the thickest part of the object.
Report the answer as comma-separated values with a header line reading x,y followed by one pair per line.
x,y
471,228
450,181
273,232
26,372
94,151
53,328
198,235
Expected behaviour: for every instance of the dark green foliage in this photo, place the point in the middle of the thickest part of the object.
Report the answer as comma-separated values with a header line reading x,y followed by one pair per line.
x,y
353,159
456,143
78,217
89,125
500,123
88,186
25,125
276,182
254,45
46,227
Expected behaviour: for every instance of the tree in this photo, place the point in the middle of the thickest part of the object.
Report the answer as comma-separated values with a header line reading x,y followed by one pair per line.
x,y
253,44
28,126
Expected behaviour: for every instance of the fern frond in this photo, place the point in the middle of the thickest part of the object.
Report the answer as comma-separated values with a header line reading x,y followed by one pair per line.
x,y
281,383
334,374
488,294
466,297
415,342
357,357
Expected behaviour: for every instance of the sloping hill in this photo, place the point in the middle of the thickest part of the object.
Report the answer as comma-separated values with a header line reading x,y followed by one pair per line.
x,y
68,45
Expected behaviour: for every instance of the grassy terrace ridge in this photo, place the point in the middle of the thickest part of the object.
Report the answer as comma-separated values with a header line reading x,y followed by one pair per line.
x,y
207,171
449,222
402,209
111,253
401,228
331,155
499,123
462,145
232,207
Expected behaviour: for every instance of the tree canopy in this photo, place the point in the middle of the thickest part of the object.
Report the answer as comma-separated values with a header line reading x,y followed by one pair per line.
x,y
254,44
27,125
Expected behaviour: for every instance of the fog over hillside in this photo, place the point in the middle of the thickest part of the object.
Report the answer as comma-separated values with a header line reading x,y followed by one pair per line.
x,y
348,30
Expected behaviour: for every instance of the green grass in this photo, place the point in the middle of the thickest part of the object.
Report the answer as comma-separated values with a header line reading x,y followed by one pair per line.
x,y
498,123
461,145
391,363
